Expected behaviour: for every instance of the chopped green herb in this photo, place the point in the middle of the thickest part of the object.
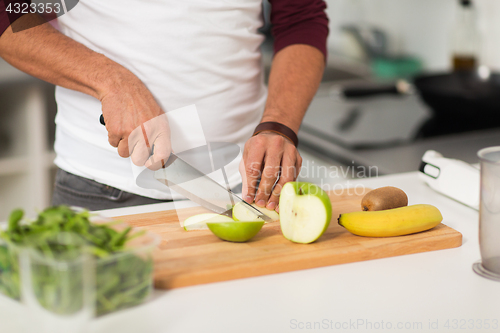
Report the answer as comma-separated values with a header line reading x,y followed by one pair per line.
x,y
123,279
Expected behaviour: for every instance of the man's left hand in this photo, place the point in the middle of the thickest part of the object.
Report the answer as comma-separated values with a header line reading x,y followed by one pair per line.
x,y
275,161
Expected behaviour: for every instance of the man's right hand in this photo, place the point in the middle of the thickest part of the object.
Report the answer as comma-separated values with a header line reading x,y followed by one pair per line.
x,y
134,119
135,122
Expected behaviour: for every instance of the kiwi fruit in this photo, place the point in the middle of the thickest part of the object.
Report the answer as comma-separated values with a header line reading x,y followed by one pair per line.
x,y
383,198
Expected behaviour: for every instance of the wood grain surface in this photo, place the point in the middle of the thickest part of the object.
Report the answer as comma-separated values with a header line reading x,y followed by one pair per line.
x,y
186,258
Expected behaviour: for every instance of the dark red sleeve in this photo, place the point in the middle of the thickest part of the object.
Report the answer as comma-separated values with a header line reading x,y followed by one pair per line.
x,y
299,22
6,18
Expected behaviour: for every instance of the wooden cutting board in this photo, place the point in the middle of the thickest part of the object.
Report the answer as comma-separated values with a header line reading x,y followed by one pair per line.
x,y
186,258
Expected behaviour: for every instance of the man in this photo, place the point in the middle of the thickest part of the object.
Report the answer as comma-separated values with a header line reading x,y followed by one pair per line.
x,y
134,60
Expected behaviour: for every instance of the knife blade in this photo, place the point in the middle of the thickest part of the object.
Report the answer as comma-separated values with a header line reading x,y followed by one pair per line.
x,y
188,181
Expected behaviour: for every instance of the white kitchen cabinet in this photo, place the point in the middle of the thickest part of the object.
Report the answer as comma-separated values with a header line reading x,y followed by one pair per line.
x,y
27,111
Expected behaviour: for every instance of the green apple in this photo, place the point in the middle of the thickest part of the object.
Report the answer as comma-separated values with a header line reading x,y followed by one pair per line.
x,y
305,212
199,222
242,213
235,231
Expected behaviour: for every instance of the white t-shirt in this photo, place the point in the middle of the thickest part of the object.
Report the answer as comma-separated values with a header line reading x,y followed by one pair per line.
x,y
202,52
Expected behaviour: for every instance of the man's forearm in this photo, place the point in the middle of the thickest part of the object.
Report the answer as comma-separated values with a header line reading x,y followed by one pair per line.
x,y
295,76
126,102
45,53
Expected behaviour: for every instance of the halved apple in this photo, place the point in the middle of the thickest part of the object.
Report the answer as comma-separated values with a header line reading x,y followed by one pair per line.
x,y
224,227
242,213
305,212
199,221
236,231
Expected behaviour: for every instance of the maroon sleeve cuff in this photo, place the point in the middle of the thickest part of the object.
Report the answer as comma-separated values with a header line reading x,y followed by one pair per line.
x,y
299,22
6,18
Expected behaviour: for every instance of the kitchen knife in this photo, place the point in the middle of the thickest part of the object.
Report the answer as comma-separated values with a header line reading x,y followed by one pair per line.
x,y
188,181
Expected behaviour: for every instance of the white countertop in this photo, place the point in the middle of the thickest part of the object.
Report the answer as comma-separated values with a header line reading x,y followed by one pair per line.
x,y
434,291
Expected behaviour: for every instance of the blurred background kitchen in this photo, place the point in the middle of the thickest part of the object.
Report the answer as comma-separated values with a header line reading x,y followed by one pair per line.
x,y
374,46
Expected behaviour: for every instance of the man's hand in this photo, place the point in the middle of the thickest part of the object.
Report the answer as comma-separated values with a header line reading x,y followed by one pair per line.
x,y
275,161
135,122
150,144
295,76
44,52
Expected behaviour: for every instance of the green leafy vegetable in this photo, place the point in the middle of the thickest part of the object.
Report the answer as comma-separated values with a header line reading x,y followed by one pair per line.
x,y
123,278
14,219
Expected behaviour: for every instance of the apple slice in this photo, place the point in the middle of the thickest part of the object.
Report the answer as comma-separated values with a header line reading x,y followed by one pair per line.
x,y
305,212
199,222
242,213
235,231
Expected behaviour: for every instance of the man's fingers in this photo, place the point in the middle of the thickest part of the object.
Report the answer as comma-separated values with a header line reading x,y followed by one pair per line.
x,y
157,130
138,150
116,133
123,148
161,153
298,164
137,136
253,165
114,140
140,153
288,173
270,174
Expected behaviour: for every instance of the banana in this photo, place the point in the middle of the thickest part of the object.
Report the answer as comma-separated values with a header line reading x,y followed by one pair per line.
x,y
392,222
